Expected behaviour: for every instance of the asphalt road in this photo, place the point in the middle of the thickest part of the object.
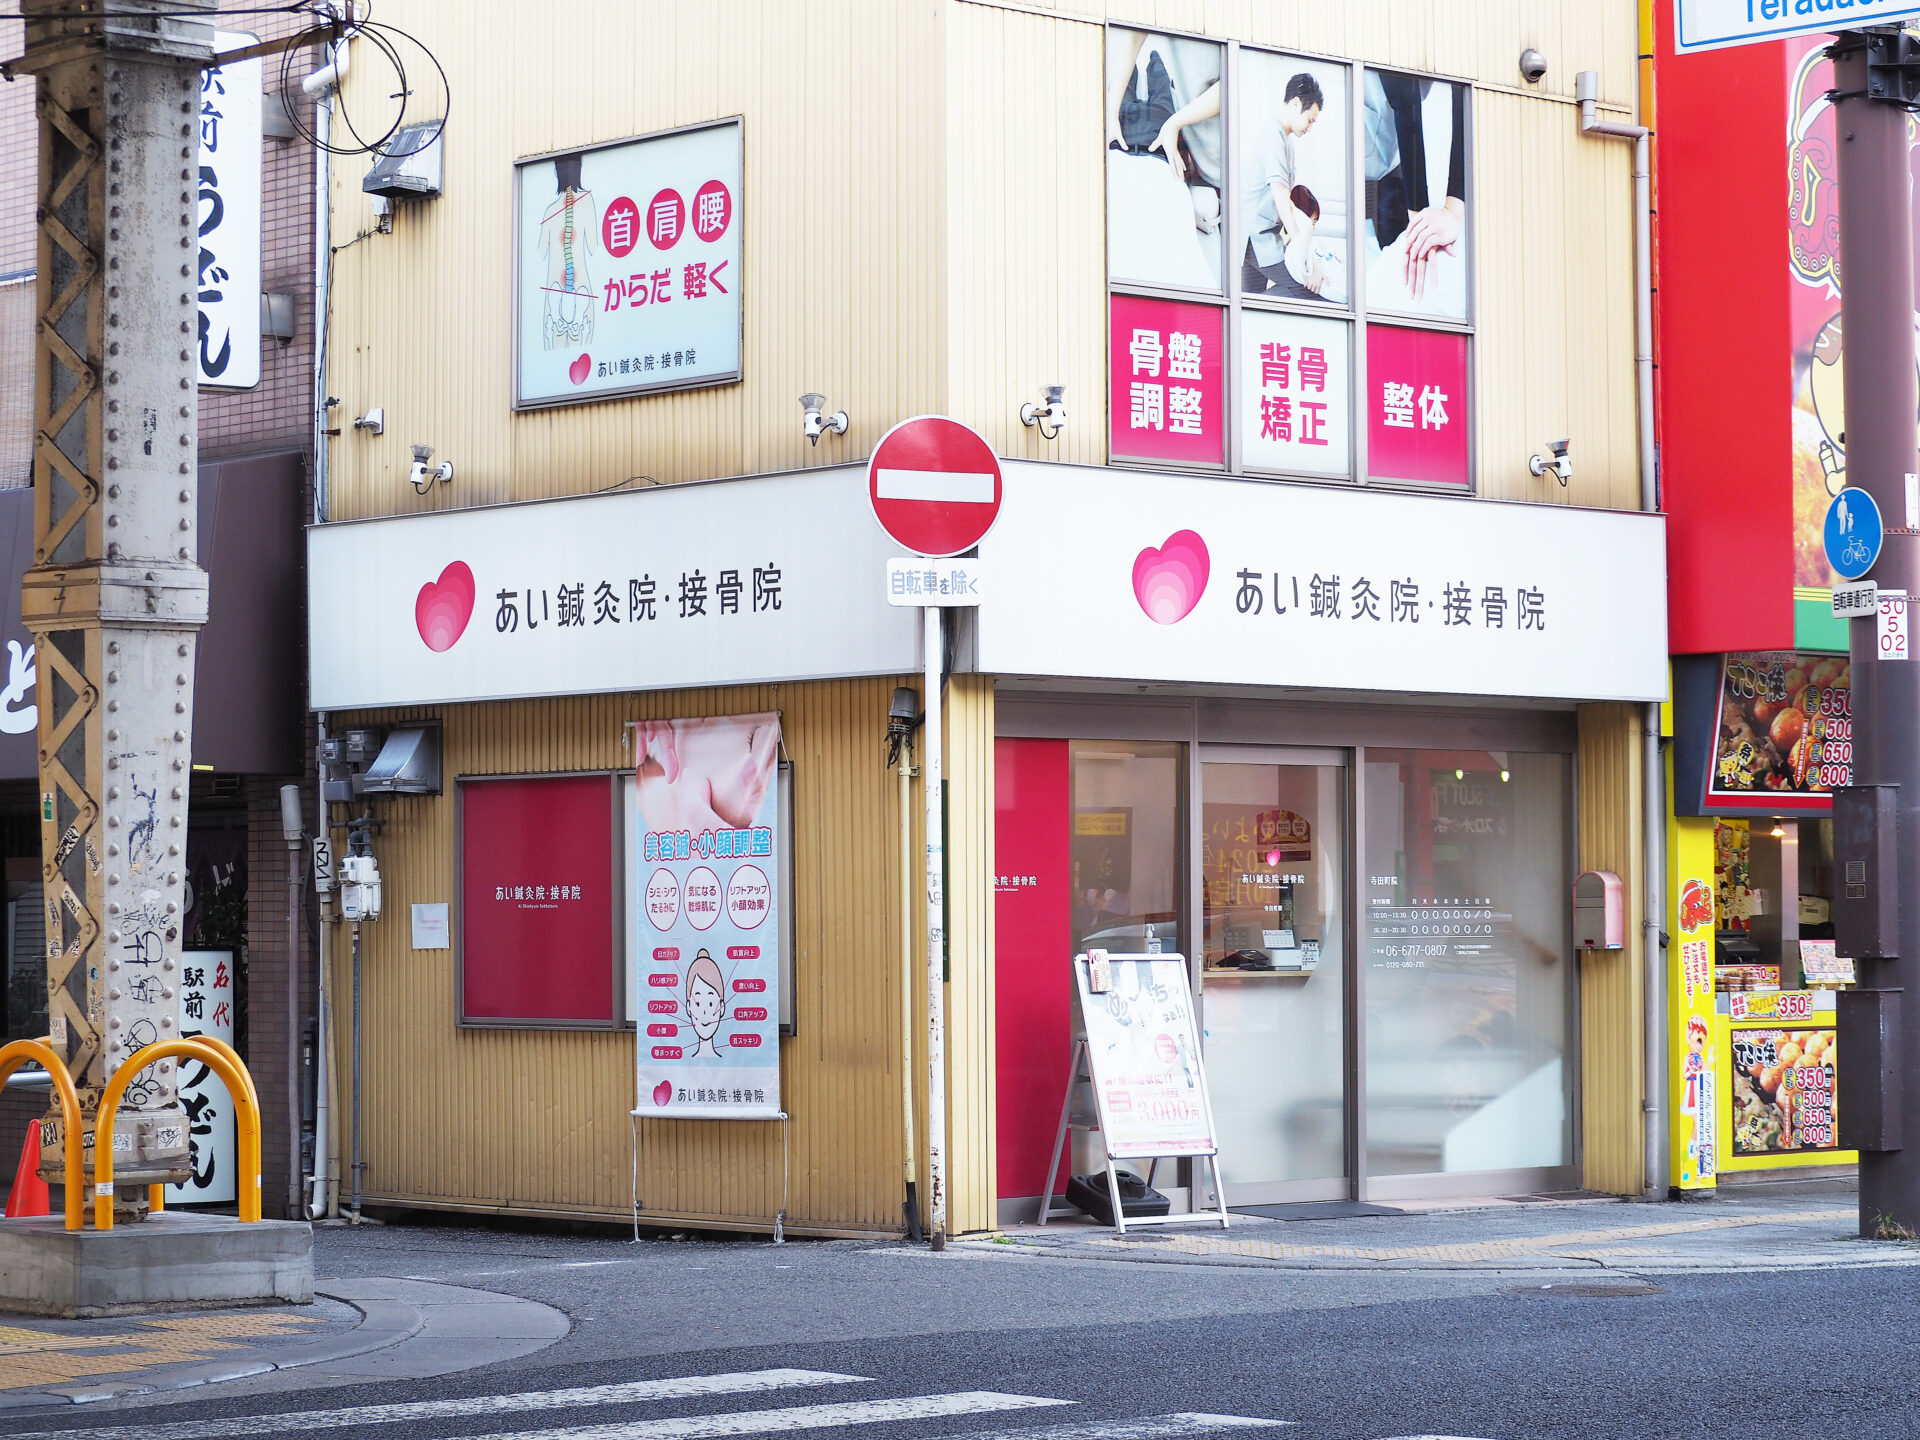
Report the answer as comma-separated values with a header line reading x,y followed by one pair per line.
x,y
972,1344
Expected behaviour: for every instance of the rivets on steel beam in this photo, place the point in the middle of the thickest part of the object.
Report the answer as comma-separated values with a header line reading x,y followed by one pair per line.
x,y
185,496
180,706
113,791
166,1022
113,705
183,467
181,648
173,849
173,877
175,822
113,734
185,439
166,992
173,905
113,992
113,647
113,849
167,964
113,520
113,676
179,679
185,524
178,793
113,434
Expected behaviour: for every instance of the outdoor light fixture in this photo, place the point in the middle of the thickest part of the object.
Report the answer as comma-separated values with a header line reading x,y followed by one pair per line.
x,y
1050,417
1779,832
374,421
817,423
423,475
1561,464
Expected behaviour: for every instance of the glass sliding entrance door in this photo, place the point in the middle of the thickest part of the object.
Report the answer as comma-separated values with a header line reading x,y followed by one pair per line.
x,y
1468,975
1273,894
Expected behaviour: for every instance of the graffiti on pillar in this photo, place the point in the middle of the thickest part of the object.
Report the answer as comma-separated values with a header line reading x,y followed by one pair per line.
x,y
19,715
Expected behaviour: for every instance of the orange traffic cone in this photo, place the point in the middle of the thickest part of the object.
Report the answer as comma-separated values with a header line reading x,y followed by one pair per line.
x,y
29,1195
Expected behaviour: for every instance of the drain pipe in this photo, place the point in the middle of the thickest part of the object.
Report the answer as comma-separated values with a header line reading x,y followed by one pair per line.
x,y
320,87
1586,88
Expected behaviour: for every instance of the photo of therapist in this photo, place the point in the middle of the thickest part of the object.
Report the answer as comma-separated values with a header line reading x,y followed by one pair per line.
x,y
1416,167
1292,181
1165,160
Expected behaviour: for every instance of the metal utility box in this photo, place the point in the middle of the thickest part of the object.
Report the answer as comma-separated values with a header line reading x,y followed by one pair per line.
x,y
1599,911
1869,1082
1866,864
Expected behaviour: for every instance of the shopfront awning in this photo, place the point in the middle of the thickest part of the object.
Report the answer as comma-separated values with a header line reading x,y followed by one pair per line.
x,y
248,713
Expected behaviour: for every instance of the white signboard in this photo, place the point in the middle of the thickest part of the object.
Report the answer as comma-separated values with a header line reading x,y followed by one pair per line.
x,y
627,267
1717,24
777,577
229,250
1144,1050
1891,632
430,926
920,581
1295,378
1855,597
707,959
1212,580
206,1008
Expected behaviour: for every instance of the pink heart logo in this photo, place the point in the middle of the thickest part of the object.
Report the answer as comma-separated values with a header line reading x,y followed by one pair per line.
x,y
580,368
663,1094
1169,582
444,606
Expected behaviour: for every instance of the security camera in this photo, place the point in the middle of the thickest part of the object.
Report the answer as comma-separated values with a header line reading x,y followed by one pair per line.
x,y
422,475
818,424
1533,66
1050,417
1561,465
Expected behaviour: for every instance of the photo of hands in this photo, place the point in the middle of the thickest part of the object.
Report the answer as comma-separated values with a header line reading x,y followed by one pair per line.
x,y
1416,170
1165,160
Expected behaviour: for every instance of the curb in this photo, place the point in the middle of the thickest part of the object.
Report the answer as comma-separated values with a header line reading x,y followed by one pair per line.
x,y
383,1323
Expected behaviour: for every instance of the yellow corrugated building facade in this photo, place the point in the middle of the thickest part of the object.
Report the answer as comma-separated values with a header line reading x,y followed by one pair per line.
x,y
941,208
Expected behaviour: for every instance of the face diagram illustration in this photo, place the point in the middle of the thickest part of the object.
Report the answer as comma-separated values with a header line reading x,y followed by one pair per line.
x,y
706,1004
569,241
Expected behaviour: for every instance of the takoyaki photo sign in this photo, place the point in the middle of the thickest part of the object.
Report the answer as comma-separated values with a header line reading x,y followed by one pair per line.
x,y
626,267
707,957
1784,731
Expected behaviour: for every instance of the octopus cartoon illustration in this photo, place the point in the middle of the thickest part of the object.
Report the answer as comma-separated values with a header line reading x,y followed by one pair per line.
x,y
569,242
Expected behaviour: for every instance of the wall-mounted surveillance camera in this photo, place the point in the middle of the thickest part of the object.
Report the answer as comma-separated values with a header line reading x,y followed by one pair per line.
x,y
817,423
1533,66
422,475
1561,465
1050,417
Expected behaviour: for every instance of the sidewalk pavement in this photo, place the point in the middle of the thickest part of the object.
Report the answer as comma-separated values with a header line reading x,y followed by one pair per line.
x,y
1776,1225
357,1330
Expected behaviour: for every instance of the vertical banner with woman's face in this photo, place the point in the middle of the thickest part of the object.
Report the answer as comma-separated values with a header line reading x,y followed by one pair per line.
x,y
707,955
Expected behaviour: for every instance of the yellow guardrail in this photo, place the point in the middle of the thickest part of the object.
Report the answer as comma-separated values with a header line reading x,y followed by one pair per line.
x,y
219,1057
18,1053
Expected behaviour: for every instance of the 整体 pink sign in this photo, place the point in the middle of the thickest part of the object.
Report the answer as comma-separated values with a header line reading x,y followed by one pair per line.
x,y
1417,406
935,485
1167,372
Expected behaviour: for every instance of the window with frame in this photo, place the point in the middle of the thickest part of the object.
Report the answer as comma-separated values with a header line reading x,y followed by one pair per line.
x,y
1290,285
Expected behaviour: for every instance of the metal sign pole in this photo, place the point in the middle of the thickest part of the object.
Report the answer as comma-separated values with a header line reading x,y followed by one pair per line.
x,y
936,797
1876,226
935,793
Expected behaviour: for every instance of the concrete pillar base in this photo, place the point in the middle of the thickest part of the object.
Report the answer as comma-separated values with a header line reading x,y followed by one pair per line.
x,y
170,1261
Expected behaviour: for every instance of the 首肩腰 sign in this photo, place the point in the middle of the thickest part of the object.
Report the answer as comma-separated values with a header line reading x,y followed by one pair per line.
x,y
627,261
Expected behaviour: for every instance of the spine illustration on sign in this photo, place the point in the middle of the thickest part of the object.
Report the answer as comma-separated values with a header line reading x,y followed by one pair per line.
x,y
710,933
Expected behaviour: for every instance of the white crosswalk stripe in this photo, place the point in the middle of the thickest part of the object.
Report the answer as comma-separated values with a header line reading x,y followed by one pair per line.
x,y
772,1421
1147,1427
794,1417
687,1387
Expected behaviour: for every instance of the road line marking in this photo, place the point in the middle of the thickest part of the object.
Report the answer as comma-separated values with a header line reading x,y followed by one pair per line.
x,y
795,1417
1147,1427
954,487
684,1387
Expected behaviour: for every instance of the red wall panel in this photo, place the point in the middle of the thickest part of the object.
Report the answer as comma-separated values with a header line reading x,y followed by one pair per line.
x,y
1725,378
536,900
1032,941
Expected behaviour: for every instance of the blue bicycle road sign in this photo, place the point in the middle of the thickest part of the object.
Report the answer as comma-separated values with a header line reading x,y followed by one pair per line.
x,y
1853,533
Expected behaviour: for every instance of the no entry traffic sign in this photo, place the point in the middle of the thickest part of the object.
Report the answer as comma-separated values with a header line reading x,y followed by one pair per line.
x,y
934,485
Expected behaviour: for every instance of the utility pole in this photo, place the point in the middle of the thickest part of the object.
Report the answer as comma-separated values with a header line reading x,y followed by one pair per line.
x,y
1872,94
115,597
